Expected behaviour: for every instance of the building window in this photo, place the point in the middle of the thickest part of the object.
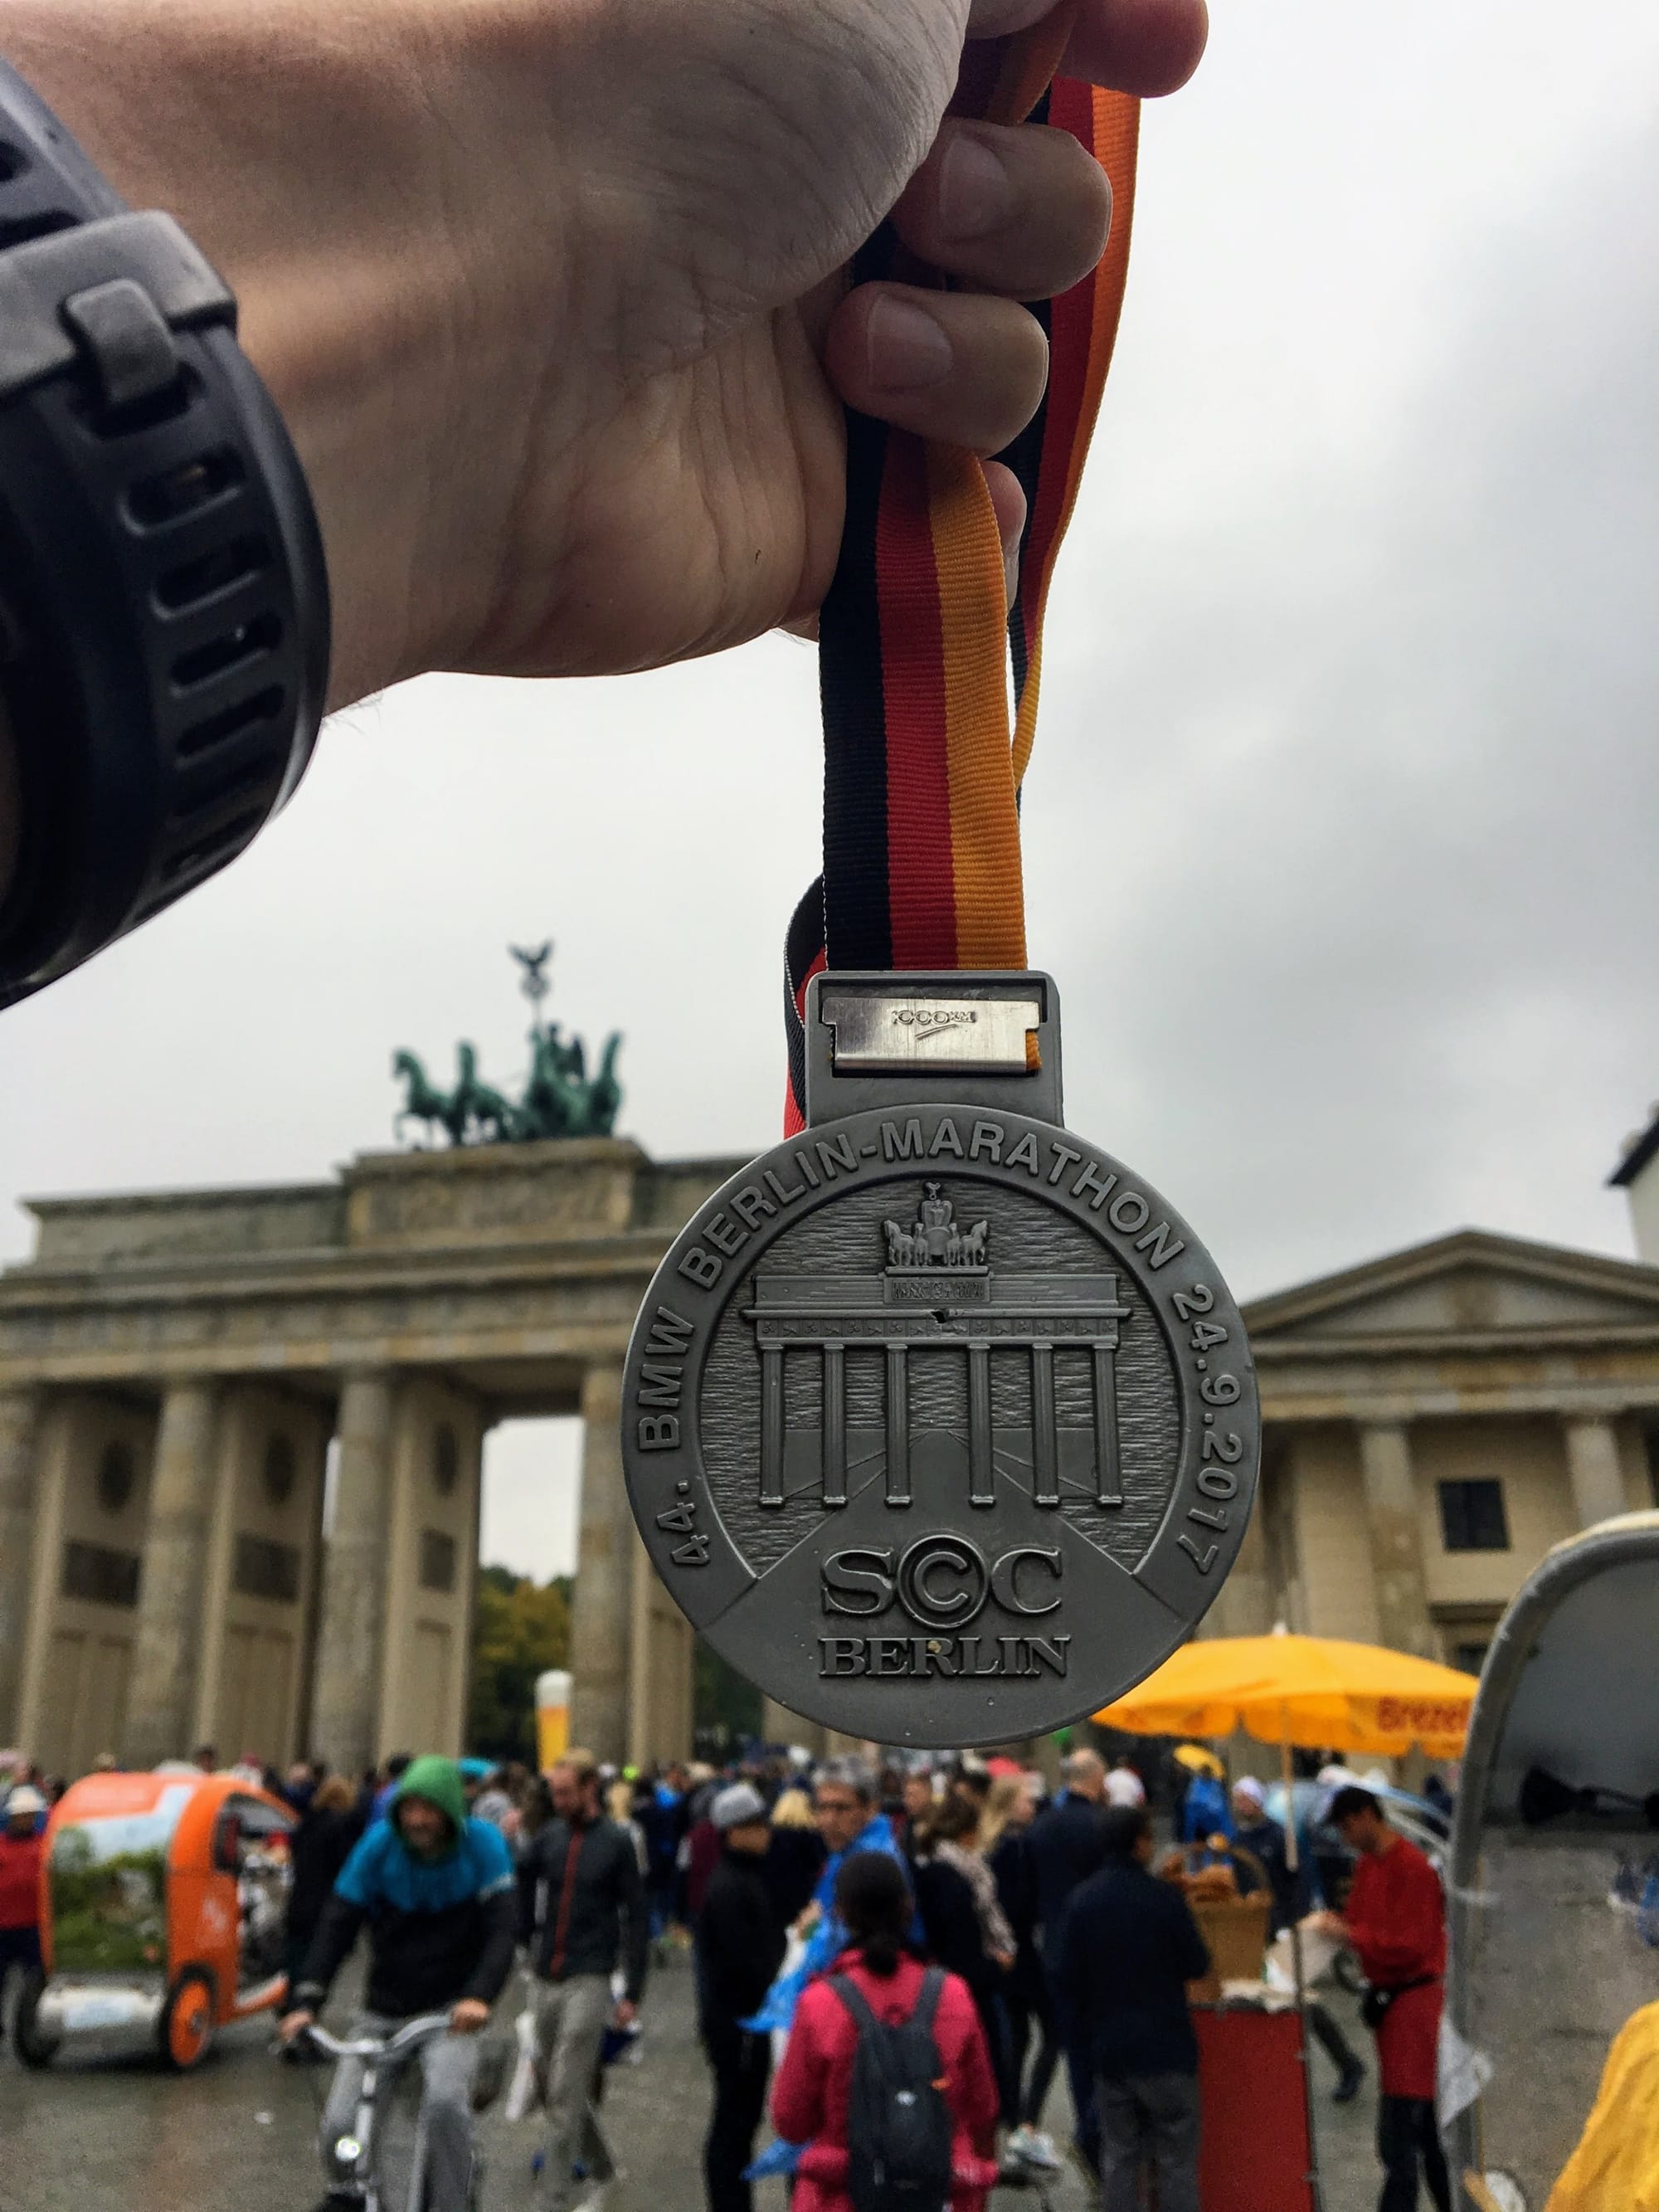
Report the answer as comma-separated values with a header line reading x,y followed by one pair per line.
x,y
279,1469
446,1460
1472,1516
98,1575
116,1476
264,1569
437,1560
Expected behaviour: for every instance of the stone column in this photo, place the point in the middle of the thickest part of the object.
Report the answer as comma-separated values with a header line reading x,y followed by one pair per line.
x,y
167,1644
602,1615
982,1455
642,1699
835,1424
20,1414
662,1679
772,1424
1245,1606
1045,1438
1109,1467
1593,1471
1396,1538
898,1426
351,1629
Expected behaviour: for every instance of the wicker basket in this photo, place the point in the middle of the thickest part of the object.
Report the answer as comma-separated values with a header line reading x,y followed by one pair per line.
x,y
1234,1928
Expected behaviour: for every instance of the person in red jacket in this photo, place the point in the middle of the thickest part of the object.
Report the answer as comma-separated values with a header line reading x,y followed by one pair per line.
x,y
21,1846
810,2097
1396,1919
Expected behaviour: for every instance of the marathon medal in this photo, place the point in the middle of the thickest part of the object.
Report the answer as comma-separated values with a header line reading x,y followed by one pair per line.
x,y
937,1422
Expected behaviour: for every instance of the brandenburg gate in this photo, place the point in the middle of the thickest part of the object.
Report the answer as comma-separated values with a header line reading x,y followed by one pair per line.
x,y
183,1376
937,1299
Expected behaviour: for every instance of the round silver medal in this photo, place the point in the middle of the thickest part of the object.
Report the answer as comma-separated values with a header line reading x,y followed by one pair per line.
x,y
940,1425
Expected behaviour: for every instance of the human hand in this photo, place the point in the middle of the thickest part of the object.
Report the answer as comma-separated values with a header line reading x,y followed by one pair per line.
x,y
1327,1924
293,2024
468,2017
551,291
626,2012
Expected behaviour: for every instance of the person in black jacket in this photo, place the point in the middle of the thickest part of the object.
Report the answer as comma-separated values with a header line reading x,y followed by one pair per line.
x,y
964,1926
329,1828
589,1915
1065,1844
435,1891
795,1857
1026,2002
1129,1949
739,1947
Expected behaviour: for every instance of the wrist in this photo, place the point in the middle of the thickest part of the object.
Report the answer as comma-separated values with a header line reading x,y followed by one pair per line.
x,y
374,274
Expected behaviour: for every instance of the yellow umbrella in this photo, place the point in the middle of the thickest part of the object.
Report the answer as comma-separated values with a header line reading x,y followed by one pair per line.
x,y
1314,1691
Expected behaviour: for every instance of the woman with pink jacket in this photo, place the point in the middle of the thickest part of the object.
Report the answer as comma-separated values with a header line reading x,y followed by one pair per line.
x,y
809,2096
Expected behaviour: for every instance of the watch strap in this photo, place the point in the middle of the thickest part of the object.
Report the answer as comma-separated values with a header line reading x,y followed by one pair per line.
x,y
164,622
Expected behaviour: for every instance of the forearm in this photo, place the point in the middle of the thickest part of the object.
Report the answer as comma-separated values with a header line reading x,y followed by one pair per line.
x,y
495,1959
337,1932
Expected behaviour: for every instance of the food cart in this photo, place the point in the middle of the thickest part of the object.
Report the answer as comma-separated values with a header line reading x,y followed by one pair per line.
x,y
162,1903
1549,2092
1259,2151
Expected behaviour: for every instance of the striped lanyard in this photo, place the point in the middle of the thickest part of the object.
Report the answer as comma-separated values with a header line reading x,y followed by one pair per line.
x,y
922,769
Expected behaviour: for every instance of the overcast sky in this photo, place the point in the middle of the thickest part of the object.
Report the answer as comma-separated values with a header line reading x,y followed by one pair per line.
x,y
1340,832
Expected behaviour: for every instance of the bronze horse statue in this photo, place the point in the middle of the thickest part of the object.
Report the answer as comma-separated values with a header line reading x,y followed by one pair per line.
x,y
423,1101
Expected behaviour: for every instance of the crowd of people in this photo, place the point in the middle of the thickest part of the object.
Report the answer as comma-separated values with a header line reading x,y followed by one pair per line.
x,y
1028,1927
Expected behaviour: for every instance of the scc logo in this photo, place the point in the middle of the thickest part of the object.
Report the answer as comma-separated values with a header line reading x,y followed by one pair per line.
x,y
941,1582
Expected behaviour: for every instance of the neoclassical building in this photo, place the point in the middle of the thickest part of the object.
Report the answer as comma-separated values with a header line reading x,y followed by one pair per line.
x,y
1434,1421
181,1372
184,1375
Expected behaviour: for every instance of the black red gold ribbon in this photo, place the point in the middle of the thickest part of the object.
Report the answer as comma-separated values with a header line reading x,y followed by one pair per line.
x,y
922,766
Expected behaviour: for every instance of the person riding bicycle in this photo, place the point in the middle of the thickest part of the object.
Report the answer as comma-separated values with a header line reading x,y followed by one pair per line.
x,y
438,1893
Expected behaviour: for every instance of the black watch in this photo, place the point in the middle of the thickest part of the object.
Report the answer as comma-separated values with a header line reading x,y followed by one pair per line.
x,y
164,627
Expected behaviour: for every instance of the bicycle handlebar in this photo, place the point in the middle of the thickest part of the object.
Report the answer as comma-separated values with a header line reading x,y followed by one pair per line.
x,y
422,2029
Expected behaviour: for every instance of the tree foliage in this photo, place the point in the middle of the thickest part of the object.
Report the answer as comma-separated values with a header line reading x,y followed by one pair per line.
x,y
520,1628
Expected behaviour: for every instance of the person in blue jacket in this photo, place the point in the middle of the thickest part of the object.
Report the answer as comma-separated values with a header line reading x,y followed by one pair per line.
x,y
437,1893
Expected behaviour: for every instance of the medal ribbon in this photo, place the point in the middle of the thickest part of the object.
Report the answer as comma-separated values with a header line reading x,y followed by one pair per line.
x,y
923,771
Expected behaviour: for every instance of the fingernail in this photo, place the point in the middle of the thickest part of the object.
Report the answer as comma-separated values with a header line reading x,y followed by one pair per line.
x,y
974,196
908,350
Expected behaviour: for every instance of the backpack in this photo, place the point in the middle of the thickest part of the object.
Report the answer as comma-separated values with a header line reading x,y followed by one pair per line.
x,y
899,2128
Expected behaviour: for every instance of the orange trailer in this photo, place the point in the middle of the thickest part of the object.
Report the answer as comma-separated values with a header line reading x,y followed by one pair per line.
x,y
162,1902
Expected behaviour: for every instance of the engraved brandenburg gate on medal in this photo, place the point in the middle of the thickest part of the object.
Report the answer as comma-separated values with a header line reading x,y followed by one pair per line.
x,y
938,1298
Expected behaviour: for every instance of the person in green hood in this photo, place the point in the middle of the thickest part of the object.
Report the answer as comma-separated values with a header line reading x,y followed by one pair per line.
x,y
437,1892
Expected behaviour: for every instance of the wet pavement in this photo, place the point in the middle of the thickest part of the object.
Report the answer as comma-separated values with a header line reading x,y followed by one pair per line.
x,y
238,2136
